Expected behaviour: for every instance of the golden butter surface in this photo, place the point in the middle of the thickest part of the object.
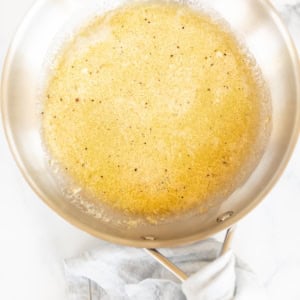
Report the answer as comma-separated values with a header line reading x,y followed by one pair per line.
x,y
154,109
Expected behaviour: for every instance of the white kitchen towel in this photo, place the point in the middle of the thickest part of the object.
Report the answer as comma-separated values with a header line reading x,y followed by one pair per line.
x,y
113,272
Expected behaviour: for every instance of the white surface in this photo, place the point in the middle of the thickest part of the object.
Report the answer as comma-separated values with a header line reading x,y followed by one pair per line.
x,y
34,240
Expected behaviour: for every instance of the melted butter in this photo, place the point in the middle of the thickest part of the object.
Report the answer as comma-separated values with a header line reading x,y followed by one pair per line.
x,y
154,110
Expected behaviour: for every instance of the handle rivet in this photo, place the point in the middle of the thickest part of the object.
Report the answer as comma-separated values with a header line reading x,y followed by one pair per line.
x,y
225,216
149,238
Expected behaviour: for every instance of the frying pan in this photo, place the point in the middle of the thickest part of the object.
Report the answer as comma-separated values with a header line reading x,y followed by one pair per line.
x,y
261,29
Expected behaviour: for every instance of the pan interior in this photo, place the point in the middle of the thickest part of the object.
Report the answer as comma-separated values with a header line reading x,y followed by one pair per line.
x,y
255,23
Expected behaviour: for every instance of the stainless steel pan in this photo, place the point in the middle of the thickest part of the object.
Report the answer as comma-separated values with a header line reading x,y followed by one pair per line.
x,y
255,21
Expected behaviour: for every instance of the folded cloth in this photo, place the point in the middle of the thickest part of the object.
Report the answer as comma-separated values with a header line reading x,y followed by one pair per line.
x,y
113,272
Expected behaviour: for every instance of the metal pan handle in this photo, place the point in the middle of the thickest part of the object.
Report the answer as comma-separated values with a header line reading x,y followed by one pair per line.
x,y
177,271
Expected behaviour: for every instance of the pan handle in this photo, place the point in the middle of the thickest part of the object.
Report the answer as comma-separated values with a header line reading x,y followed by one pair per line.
x,y
177,271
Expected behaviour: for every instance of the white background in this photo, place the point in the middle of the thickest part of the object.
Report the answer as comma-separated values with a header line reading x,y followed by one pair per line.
x,y
34,240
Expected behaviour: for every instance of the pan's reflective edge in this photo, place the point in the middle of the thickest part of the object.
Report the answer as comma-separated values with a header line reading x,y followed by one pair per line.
x,y
277,56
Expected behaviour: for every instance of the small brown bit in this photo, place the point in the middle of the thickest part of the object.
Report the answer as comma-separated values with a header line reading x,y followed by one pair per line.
x,y
135,170
77,99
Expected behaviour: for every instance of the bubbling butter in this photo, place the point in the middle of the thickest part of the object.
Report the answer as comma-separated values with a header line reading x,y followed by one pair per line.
x,y
155,110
